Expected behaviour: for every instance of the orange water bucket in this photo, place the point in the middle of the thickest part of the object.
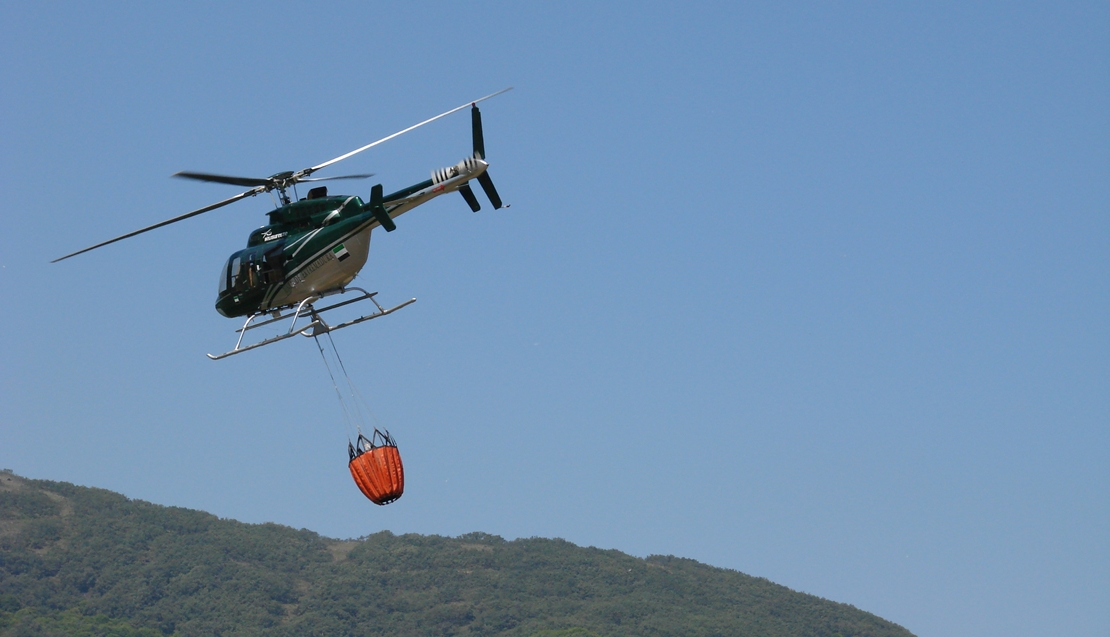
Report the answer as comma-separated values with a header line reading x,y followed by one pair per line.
x,y
377,468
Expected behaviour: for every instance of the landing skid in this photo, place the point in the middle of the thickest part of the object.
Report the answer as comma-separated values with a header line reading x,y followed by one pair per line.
x,y
316,325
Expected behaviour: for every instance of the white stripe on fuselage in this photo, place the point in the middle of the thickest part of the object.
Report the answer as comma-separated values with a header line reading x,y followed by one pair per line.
x,y
308,237
273,293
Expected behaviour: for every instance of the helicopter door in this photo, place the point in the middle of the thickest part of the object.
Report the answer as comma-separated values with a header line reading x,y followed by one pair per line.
x,y
273,264
250,269
230,275
241,274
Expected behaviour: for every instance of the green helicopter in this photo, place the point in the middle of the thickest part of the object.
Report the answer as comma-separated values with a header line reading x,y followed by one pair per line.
x,y
313,248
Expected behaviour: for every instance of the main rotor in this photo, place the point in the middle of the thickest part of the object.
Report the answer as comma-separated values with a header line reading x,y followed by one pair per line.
x,y
283,181
280,182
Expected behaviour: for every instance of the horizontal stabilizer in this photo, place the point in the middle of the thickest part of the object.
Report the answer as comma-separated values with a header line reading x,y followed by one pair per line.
x,y
378,209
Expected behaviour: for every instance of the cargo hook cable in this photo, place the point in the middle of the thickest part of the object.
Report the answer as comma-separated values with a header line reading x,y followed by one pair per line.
x,y
354,413
338,394
359,402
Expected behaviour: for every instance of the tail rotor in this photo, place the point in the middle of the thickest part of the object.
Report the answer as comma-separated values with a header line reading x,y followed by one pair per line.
x,y
484,179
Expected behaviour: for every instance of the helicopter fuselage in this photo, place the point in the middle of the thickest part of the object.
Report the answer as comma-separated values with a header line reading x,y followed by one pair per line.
x,y
309,246
319,244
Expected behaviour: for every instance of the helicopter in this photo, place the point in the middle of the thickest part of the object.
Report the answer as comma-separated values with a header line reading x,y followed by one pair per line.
x,y
314,247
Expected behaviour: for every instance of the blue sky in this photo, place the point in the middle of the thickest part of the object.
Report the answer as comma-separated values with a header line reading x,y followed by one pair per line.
x,y
818,293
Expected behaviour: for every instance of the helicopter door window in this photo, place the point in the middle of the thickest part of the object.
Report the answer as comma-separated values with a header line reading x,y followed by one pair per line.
x,y
237,273
246,273
272,267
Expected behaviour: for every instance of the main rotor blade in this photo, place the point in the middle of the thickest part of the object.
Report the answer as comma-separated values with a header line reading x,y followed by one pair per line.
x,y
308,171
249,193
366,176
249,182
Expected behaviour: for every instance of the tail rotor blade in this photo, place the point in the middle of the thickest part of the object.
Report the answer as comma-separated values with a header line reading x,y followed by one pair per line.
x,y
480,153
471,200
491,192
476,128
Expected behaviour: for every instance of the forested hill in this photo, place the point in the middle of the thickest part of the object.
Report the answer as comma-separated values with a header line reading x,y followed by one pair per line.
x,y
81,561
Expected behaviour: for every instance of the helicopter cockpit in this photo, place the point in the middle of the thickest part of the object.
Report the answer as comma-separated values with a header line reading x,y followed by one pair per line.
x,y
252,268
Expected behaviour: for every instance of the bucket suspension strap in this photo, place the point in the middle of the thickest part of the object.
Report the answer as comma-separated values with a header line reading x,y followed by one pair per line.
x,y
362,412
356,396
338,393
357,412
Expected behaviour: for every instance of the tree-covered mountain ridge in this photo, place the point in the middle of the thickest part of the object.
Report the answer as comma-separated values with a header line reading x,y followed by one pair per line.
x,y
86,561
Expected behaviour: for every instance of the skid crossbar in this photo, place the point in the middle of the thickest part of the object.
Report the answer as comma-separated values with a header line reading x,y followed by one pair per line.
x,y
315,327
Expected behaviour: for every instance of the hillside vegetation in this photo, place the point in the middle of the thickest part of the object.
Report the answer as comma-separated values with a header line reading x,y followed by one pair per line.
x,y
81,561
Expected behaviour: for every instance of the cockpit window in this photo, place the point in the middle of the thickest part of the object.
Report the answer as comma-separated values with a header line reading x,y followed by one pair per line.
x,y
227,272
252,268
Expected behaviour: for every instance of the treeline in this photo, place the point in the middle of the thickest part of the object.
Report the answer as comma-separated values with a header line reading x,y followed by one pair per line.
x,y
80,561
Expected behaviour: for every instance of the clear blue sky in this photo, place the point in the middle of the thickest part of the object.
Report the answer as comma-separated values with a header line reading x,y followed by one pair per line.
x,y
817,293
